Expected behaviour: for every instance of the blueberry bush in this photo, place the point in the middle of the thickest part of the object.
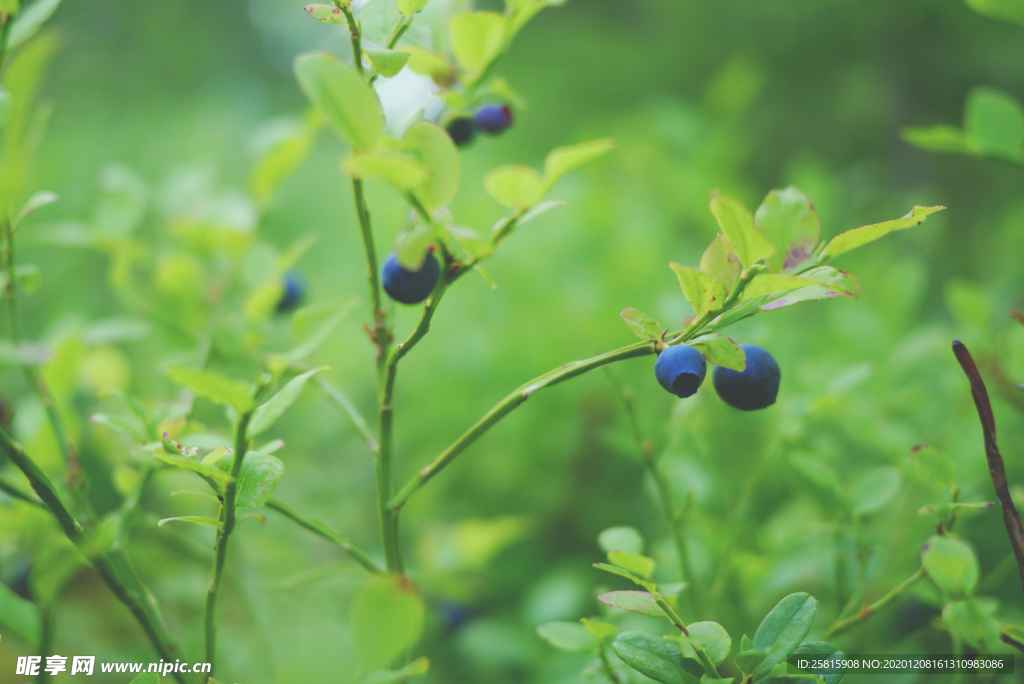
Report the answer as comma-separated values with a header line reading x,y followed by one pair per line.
x,y
203,369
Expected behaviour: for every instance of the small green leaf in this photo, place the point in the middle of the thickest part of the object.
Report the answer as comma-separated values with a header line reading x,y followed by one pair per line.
x,y
29,21
822,650
938,139
567,636
562,160
434,149
350,105
34,203
194,519
621,539
401,172
737,224
748,659
973,624
202,469
476,246
269,413
870,492
783,629
600,630
721,351
702,291
852,239
515,186
994,123
935,465
257,479
789,221
768,284
386,617
19,616
211,385
413,246
411,7
420,666
622,572
387,62
641,325
804,294
840,282
711,637
537,210
329,14
635,563
653,657
476,38
951,564
721,262
635,601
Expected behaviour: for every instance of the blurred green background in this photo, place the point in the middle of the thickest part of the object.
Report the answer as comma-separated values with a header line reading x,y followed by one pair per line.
x,y
160,109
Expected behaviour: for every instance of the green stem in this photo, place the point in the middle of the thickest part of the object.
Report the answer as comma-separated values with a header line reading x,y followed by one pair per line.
x,y
509,404
355,36
321,530
227,520
143,608
45,638
867,611
15,492
342,400
5,29
709,666
606,664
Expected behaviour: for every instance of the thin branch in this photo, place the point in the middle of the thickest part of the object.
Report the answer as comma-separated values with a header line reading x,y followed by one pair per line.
x,y
16,492
342,400
321,530
1011,519
867,611
1009,640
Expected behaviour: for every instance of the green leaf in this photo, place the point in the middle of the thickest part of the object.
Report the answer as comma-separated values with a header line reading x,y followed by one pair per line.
x,y
399,171
783,629
600,630
768,284
537,210
29,21
635,563
823,650
211,385
804,294
194,519
413,246
702,291
153,678
411,7
515,186
653,657
951,564
640,324
420,666
721,262
34,203
938,139
268,414
476,246
350,105
19,616
329,14
10,7
562,160
1005,10
621,539
195,466
871,491
567,636
711,637
789,221
737,224
834,280
476,38
434,149
622,572
635,601
721,351
257,479
387,62
973,624
852,239
748,659
935,465
994,123
386,617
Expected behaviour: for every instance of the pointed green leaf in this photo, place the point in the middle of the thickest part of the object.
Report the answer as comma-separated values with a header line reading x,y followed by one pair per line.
x,y
783,629
211,385
434,149
822,650
721,351
635,563
951,564
653,657
804,294
711,637
194,519
19,616
257,479
600,630
399,171
387,62
562,160
269,413
790,223
29,21
329,14
537,210
35,202
749,658
852,239
622,572
938,139
385,617
640,324
834,280
737,224
567,636
994,123
773,283
621,539
202,469
721,262
515,186
702,291
935,465
635,601
350,105
476,38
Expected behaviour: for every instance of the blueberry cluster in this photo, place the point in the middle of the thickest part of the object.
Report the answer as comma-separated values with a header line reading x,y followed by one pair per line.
x,y
681,370
492,119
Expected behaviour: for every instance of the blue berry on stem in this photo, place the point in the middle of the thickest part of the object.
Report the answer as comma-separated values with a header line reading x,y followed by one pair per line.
x,y
680,370
409,287
493,119
755,387
293,291
461,130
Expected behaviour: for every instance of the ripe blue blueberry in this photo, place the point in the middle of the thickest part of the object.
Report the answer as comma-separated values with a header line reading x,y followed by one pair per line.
x,y
680,370
493,119
409,287
754,388
461,130
294,288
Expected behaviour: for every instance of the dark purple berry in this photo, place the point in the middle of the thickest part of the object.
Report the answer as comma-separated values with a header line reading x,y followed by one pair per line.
x,y
461,130
755,387
680,370
409,287
493,119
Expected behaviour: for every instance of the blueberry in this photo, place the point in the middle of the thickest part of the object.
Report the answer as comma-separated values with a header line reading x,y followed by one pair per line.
x,y
493,119
409,287
680,370
461,130
293,290
756,387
